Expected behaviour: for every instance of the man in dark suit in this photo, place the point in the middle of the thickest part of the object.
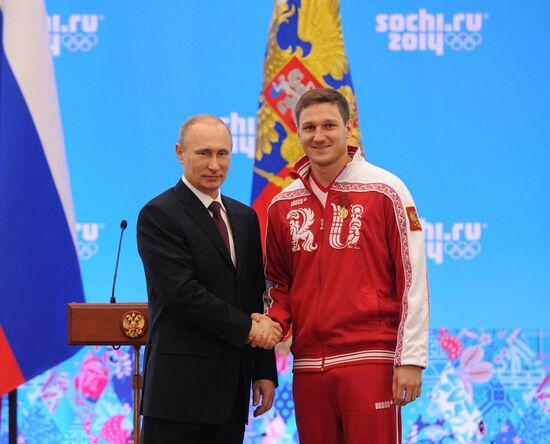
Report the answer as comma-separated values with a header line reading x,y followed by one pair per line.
x,y
202,256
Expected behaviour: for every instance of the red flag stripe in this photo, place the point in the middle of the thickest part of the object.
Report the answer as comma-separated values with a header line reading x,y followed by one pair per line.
x,y
10,373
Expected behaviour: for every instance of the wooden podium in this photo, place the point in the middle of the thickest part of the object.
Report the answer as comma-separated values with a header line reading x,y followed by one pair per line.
x,y
112,324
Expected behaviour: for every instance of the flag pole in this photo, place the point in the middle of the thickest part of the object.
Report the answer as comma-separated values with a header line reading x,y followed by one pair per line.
x,y
12,417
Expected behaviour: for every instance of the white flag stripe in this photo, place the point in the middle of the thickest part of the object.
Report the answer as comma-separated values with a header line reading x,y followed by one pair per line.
x,y
31,63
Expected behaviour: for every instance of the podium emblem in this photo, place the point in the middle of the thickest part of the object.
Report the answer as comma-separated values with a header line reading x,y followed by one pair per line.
x,y
133,324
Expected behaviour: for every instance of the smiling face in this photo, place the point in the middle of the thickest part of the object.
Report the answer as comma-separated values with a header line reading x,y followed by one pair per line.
x,y
323,135
205,155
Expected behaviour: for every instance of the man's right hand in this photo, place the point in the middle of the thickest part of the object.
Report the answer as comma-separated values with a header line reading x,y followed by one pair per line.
x,y
264,332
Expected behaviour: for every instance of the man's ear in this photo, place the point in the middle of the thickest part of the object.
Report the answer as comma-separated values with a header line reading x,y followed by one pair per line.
x,y
349,127
179,152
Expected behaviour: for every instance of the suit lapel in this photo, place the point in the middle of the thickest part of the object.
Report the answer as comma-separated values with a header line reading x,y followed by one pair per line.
x,y
201,216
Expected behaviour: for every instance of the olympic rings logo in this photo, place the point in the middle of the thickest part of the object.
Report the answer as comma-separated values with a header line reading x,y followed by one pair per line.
x,y
79,41
462,249
86,250
463,40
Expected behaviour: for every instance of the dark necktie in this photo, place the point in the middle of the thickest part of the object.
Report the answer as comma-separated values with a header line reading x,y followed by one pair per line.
x,y
216,209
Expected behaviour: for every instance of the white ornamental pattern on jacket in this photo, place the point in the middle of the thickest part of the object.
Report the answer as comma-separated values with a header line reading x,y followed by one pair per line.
x,y
301,220
339,213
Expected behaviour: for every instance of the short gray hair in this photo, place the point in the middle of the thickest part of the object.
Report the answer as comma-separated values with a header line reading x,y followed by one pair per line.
x,y
200,118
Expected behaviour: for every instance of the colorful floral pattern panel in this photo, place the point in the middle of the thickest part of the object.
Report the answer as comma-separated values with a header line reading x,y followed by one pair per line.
x,y
481,386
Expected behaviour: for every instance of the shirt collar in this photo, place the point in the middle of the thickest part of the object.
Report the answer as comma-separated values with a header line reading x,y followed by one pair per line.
x,y
203,197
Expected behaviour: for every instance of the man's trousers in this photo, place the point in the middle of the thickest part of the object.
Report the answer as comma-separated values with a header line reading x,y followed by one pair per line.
x,y
347,405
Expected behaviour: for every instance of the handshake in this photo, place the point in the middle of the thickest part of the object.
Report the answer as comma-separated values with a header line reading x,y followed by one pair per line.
x,y
264,332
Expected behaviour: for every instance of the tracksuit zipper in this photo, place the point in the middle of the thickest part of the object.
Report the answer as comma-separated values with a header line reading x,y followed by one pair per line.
x,y
321,241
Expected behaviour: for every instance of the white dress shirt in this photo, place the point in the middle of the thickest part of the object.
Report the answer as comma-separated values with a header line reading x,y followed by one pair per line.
x,y
206,201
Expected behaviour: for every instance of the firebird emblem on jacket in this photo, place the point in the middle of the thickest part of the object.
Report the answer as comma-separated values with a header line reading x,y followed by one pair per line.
x,y
301,220
337,223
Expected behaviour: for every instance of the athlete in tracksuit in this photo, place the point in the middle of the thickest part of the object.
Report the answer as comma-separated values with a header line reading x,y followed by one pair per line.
x,y
346,262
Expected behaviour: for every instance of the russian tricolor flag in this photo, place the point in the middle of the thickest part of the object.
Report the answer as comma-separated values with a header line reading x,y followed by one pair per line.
x,y
39,270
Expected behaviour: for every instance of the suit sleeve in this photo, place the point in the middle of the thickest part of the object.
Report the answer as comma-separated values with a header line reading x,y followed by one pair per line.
x,y
406,242
278,272
169,270
264,360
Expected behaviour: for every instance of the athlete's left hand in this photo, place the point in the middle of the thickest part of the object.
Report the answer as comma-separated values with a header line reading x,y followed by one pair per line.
x,y
407,384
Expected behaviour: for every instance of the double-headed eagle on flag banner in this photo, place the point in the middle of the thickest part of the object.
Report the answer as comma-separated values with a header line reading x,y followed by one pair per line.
x,y
305,50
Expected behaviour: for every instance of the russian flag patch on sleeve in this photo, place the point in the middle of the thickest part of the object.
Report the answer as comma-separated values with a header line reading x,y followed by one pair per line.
x,y
414,222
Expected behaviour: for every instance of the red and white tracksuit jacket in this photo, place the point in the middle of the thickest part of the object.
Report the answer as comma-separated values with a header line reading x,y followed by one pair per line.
x,y
350,277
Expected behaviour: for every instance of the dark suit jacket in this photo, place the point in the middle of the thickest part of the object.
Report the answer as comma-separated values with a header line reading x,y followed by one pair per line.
x,y
199,308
